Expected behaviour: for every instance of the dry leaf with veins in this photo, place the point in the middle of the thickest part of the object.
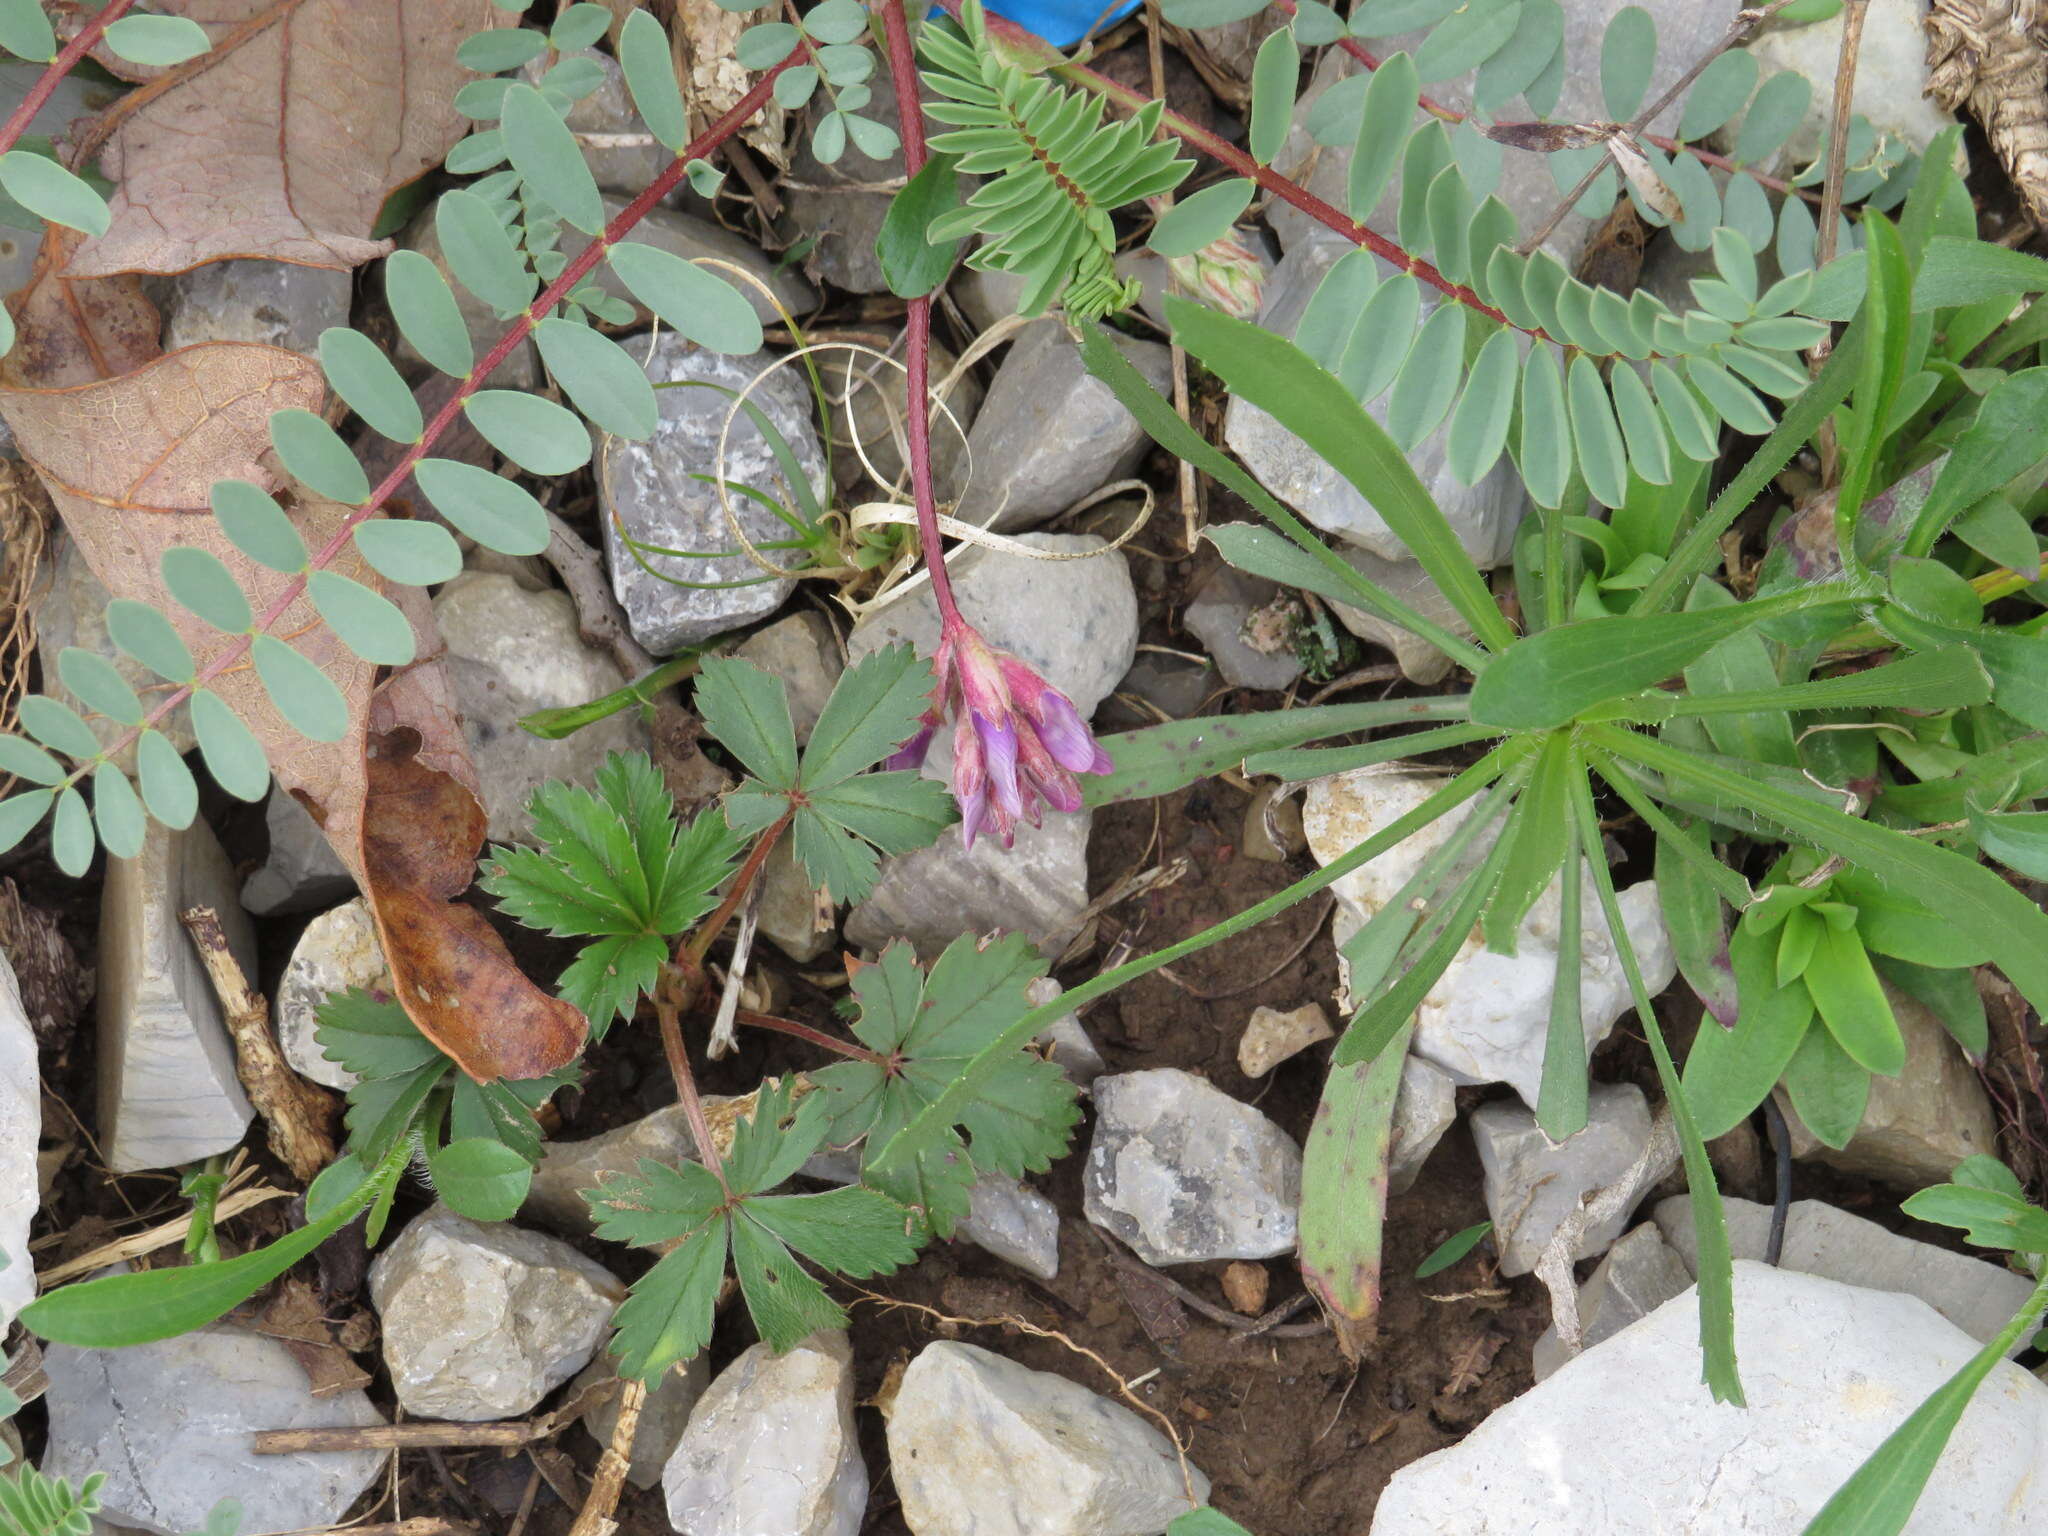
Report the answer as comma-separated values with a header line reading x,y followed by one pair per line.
x,y
286,139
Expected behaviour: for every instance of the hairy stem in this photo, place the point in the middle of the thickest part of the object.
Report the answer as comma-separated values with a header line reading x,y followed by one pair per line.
x,y
700,943
918,324
817,1037
669,1001
579,268
46,85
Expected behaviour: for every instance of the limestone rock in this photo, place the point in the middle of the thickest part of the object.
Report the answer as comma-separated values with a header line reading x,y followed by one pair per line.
x,y
649,487
1891,76
1636,1277
1425,1106
1916,1126
1039,888
510,652
695,239
483,1321
21,1129
170,1425
798,916
74,612
1419,661
1975,1294
338,950
1050,432
1184,1173
1246,626
1483,516
1486,1019
1272,1036
271,303
303,871
1629,1430
771,1447
1533,1184
802,651
664,1413
1014,1222
168,1089
1065,1040
979,1445
568,1167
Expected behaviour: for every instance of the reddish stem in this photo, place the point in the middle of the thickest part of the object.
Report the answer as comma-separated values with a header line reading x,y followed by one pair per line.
x,y
668,1008
816,1037
700,945
46,86
553,294
918,324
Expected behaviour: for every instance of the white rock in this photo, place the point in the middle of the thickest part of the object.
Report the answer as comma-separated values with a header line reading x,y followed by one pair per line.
x,y
1425,1106
1917,1126
338,950
1635,1277
799,917
169,1423
1039,888
649,488
981,1446
1891,76
1015,1223
1533,1183
1483,516
1184,1173
483,1321
568,1167
664,1413
1272,1036
1486,1019
21,1129
1245,624
771,1448
168,1089
510,652
1976,1295
1065,1040
1626,1439
303,871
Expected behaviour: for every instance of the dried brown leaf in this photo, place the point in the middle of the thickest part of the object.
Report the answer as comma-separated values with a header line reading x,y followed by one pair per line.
x,y
286,139
1992,56
293,1317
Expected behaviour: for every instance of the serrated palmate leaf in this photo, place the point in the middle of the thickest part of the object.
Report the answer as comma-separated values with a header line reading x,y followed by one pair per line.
x,y
899,812
873,710
600,376
930,1026
748,712
369,1034
257,526
832,857
669,1314
786,1303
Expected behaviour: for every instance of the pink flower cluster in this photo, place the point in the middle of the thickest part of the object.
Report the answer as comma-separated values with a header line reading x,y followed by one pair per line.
x,y
1017,740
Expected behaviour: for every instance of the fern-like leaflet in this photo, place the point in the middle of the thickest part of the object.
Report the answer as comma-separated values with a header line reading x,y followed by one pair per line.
x,y
1055,172
34,1505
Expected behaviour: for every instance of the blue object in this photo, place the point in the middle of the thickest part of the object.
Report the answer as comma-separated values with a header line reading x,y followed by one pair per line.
x,y
1062,23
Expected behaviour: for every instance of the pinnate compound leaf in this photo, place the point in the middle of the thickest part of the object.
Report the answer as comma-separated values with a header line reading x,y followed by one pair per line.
x,y
669,1314
1275,72
98,685
369,623
489,508
25,760
598,374
688,298
157,41
650,72
301,692
481,254
197,579
233,754
427,313
57,726
1628,52
1383,131
538,435
22,814
117,812
364,377
495,52
257,526
414,553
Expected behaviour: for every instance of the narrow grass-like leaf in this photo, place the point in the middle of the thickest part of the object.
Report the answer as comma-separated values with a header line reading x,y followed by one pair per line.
x,y
1562,1095
1452,1249
1535,834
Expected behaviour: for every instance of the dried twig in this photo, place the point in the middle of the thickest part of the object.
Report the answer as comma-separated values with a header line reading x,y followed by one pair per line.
x,y
596,1518
162,1236
1838,136
300,1114
414,1435
418,1525
599,619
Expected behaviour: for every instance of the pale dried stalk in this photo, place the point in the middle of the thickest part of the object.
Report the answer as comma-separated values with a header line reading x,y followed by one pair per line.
x,y
596,1518
297,1112
169,1232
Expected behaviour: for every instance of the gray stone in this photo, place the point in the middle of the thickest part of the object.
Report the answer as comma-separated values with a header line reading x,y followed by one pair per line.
x,y
1425,1106
1533,1183
649,486
510,652
987,298
1038,888
1638,1275
1015,1223
481,1321
1891,77
1184,1173
982,1446
840,207
338,950
1418,659
1272,825
664,1413
1175,687
168,1089
699,240
1050,432
869,405
1917,1126
1270,1037
271,303
771,1447
74,612
801,650
567,1167
1979,1297
1074,620
1627,1438
1247,626
21,1129
521,369
170,1425
1483,516
799,917
1488,1017
303,871
1065,1040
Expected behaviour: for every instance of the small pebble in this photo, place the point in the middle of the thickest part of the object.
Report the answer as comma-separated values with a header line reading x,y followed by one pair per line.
x,y
1272,1036
1244,1287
